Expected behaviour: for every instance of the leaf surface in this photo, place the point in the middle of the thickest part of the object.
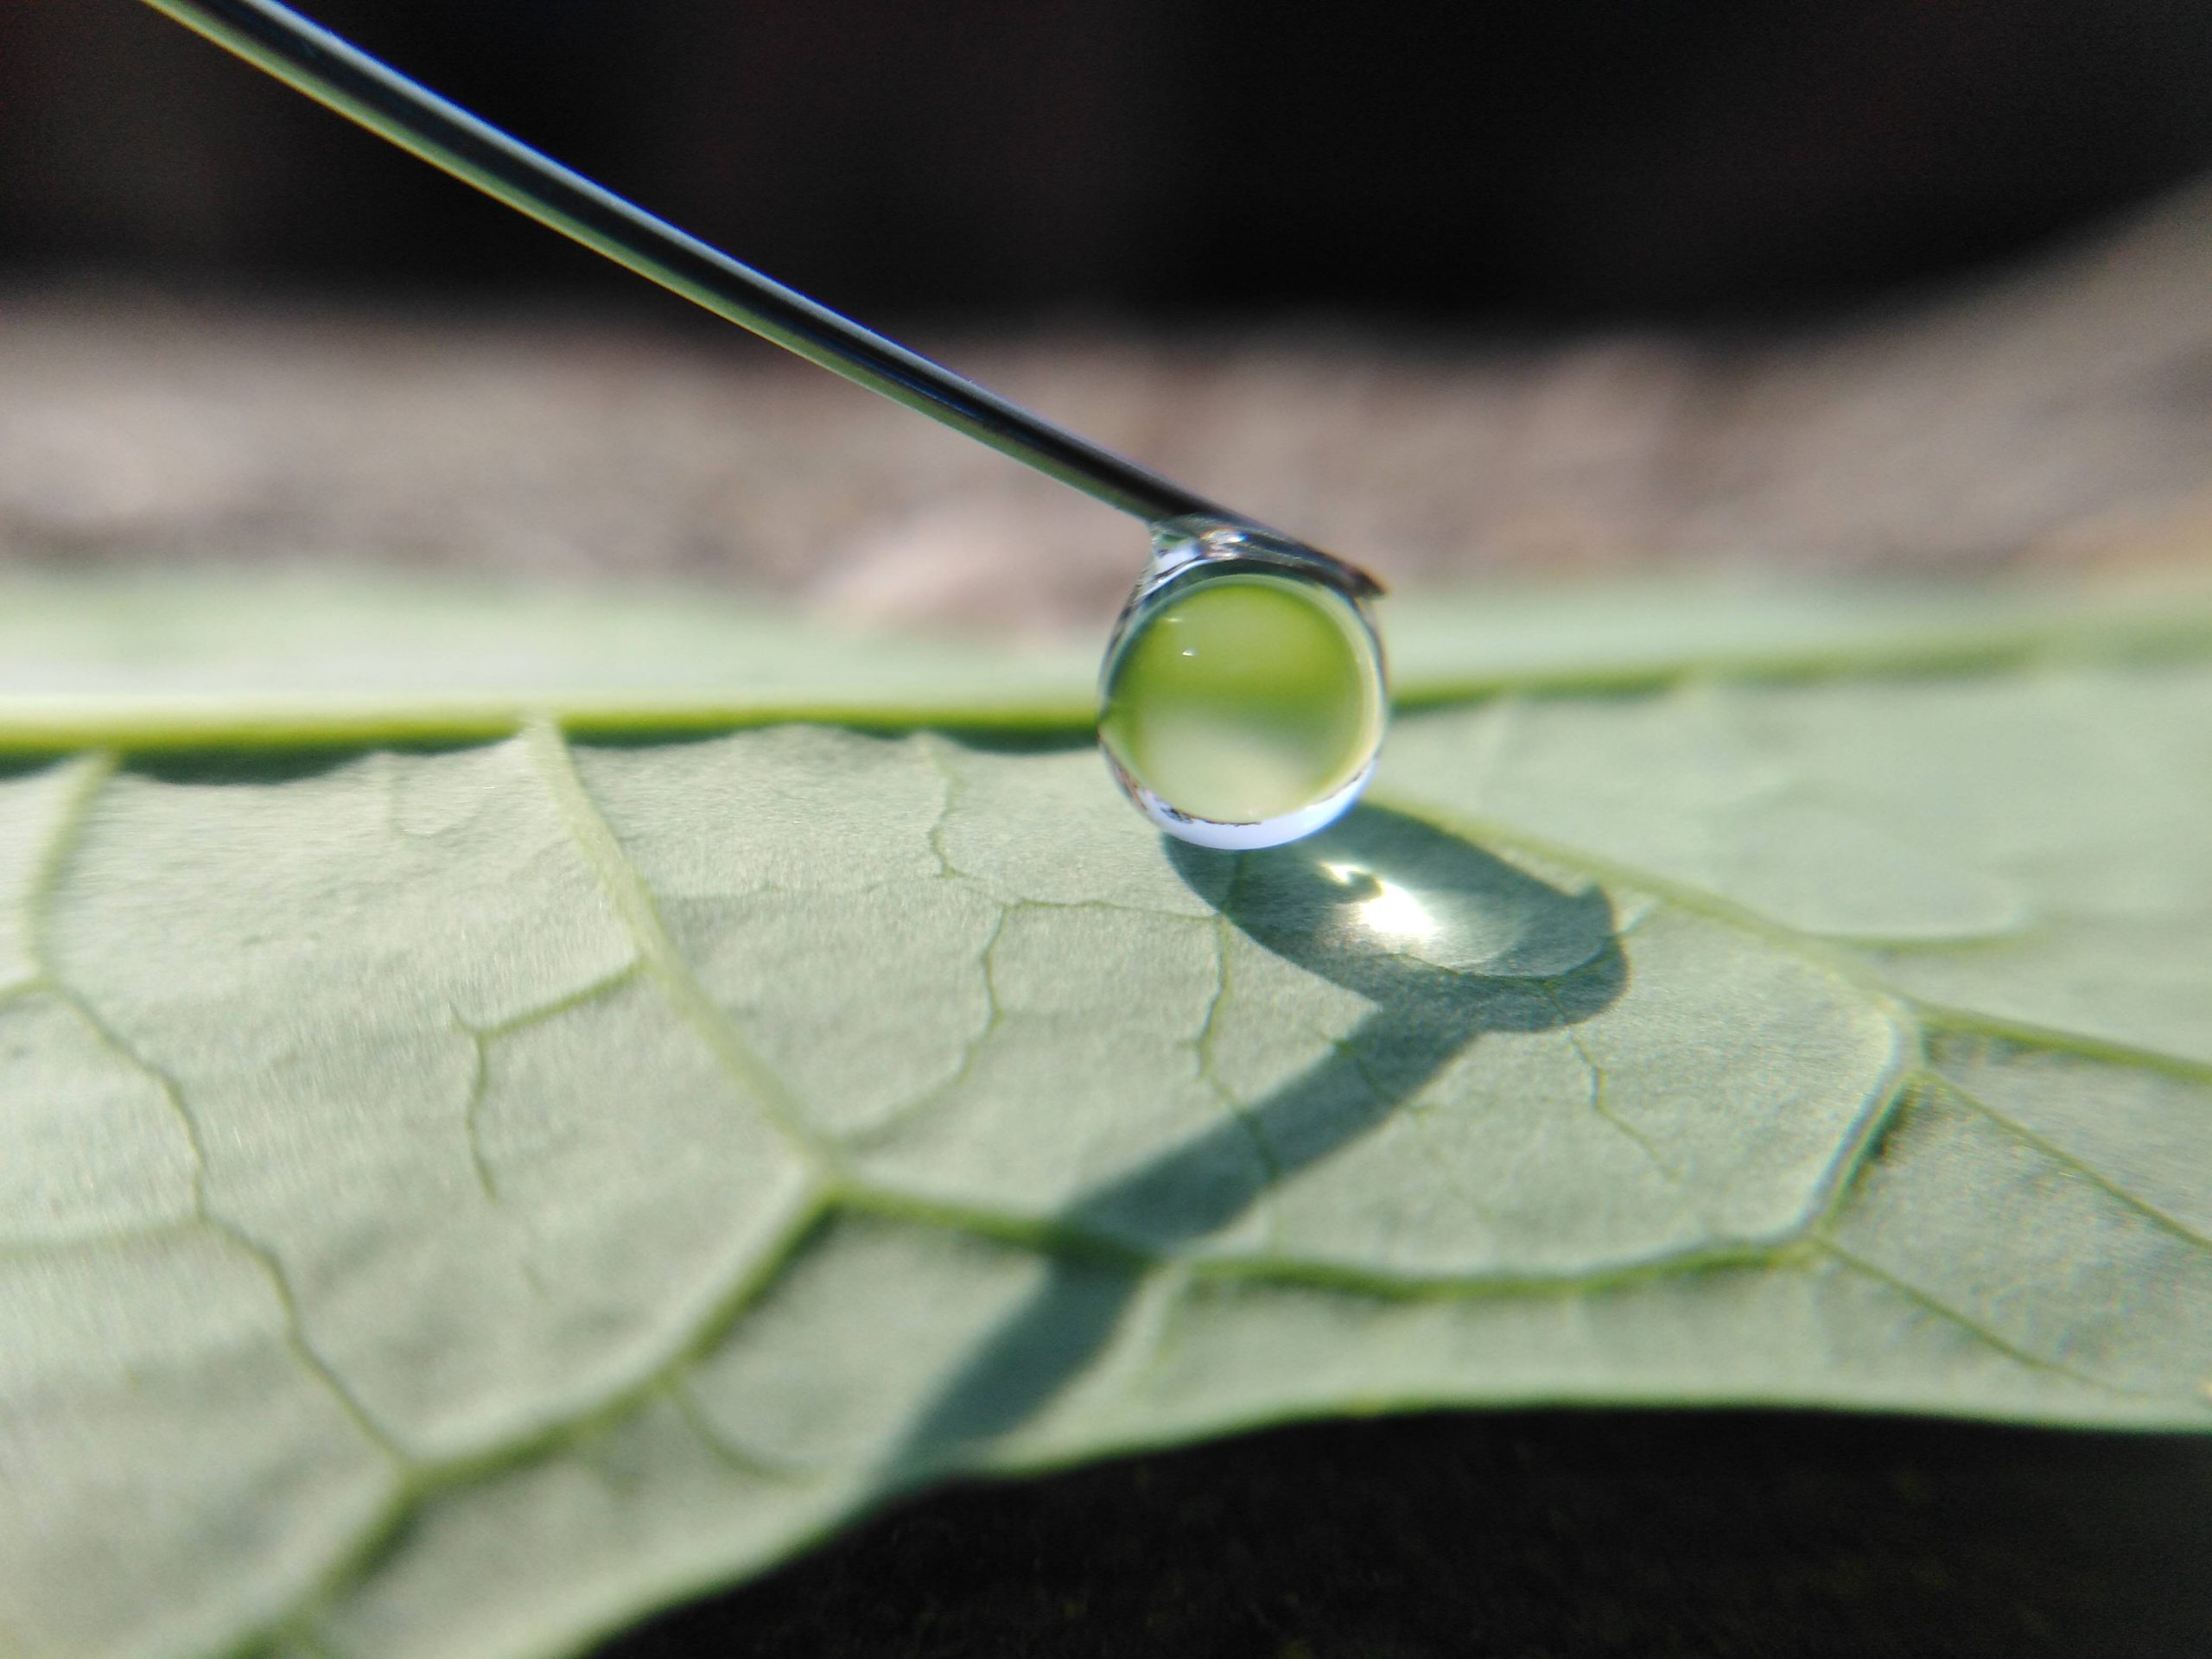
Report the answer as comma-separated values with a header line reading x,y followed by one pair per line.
x,y
456,1194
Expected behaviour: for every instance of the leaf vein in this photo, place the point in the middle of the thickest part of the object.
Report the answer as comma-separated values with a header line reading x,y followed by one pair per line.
x,y
2058,1155
1974,1327
626,889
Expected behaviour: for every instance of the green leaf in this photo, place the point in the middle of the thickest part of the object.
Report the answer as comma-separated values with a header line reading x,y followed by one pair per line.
x,y
470,1181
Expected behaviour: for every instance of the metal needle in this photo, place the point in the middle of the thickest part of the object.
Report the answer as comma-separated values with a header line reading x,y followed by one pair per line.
x,y
349,80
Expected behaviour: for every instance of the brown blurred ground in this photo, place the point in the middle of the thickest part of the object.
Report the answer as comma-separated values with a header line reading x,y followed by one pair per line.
x,y
2047,418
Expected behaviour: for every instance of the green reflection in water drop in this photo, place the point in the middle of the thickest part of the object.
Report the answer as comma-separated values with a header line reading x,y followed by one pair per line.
x,y
1243,698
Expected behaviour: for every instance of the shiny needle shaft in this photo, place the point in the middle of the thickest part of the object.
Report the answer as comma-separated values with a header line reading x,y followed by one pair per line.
x,y
314,61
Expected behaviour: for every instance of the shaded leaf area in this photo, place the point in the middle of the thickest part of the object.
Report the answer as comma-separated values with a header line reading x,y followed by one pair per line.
x,y
452,1199
1721,1536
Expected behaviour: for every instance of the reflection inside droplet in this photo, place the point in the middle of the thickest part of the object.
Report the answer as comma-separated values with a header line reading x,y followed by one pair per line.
x,y
1242,697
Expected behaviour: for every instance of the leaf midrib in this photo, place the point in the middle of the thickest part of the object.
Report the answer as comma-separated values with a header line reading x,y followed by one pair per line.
x,y
2028,631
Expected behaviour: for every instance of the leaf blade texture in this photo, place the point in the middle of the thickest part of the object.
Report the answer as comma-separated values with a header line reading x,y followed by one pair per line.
x,y
458,1193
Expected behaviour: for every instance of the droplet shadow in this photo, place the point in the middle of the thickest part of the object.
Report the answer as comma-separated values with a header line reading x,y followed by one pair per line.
x,y
1447,941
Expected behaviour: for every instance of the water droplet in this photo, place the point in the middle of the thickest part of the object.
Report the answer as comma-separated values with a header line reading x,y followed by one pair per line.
x,y
1243,695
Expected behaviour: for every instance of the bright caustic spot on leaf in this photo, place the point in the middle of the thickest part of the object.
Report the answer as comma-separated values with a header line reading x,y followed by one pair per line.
x,y
458,1194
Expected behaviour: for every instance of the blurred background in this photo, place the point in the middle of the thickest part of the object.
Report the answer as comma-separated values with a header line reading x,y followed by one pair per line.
x,y
997,158
1519,286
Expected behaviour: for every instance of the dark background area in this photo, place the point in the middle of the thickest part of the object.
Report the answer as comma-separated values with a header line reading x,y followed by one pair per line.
x,y
1569,159
1524,1536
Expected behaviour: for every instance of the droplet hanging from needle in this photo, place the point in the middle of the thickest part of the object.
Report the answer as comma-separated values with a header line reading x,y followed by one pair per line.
x,y
1243,698
1242,702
